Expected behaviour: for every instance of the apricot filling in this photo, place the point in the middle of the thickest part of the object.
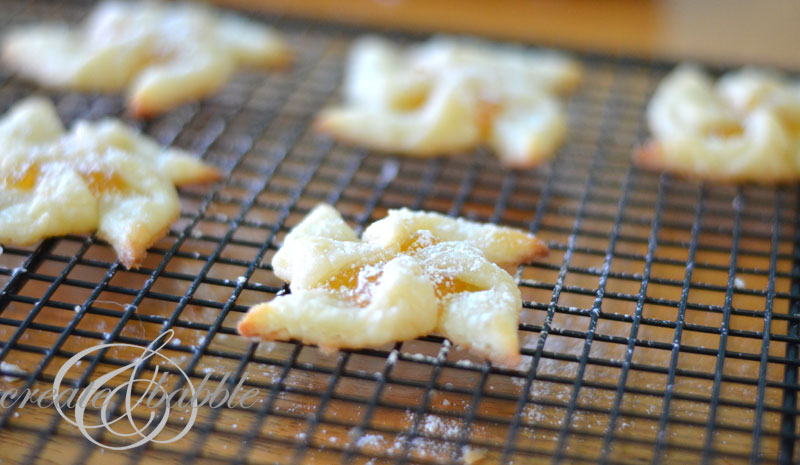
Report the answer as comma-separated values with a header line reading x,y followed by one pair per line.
x,y
447,286
487,112
411,102
792,126
417,241
726,131
24,179
99,182
102,182
357,282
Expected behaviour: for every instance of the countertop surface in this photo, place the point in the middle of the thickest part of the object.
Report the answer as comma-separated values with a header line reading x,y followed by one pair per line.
x,y
726,32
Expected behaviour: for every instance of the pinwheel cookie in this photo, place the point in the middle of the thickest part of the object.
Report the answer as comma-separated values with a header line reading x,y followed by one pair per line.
x,y
743,128
449,95
163,54
102,176
412,273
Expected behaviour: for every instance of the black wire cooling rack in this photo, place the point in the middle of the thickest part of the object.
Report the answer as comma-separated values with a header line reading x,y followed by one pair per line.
x,y
662,328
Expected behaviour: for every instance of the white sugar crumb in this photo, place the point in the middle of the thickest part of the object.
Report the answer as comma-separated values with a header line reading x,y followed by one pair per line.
x,y
1,250
434,447
77,308
442,427
392,358
197,234
13,370
422,358
738,283
175,342
370,440
241,279
465,364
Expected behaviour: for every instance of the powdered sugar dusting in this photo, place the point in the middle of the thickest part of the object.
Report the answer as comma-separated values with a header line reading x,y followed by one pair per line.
x,y
11,371
392,358
371,441
434,442
395,258
447,428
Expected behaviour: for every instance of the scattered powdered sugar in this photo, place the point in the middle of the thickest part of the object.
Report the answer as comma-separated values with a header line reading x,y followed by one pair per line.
x,y
738,283
520,382
447,428
241,279
435,440
370,441
367,280
392,358
466,364
77,308
422,358
13,370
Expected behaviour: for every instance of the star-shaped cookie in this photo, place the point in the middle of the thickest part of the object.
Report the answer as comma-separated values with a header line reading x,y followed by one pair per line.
x,y
99,175
164,54
743,128
449,95
411,274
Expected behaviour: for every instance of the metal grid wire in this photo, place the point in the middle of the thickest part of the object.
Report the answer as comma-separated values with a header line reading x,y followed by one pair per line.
x,y
662,328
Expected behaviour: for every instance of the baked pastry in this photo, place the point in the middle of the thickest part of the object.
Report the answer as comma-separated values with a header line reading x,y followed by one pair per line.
x,y
412,273
163,54
449,95
100,175
744,128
